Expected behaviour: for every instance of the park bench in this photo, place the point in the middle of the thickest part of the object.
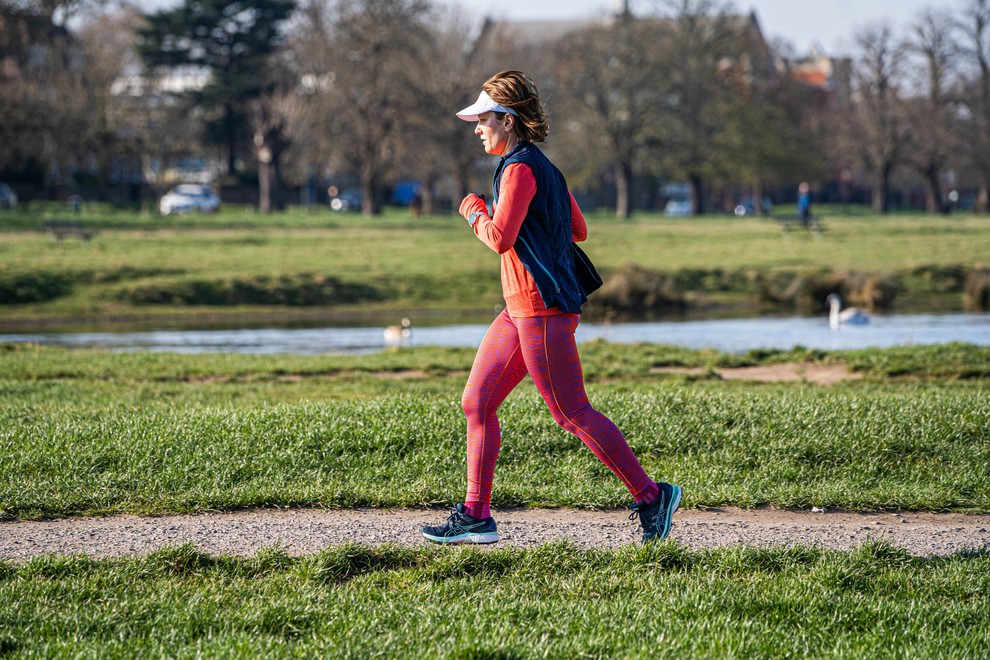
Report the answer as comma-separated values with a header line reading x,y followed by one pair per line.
x,y
812,224
59,229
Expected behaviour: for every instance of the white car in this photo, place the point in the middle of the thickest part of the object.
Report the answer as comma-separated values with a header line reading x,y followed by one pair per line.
x,y
678,208
8,198
189,197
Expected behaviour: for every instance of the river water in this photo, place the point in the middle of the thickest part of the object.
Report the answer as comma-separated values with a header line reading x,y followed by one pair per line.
x,y
726,335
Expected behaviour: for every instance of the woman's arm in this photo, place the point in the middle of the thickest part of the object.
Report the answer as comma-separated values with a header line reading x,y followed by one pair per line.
x,y
516,191
579,228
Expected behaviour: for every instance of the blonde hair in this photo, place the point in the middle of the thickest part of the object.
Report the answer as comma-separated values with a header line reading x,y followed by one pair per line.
x,y
515,90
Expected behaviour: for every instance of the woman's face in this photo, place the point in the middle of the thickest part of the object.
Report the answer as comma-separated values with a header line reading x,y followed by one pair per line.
x,y
496,134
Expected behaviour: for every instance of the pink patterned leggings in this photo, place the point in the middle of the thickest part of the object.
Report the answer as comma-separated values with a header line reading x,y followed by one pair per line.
x,y
544,347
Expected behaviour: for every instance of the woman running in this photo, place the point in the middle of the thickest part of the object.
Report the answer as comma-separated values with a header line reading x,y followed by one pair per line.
x,y
533,225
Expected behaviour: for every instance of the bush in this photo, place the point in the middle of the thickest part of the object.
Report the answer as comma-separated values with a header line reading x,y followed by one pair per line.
x,y
976,296
33,287
291,290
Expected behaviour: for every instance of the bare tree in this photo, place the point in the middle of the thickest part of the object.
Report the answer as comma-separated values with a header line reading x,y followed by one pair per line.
x,y
877,127
311,58
614,80
765,138
44,96
975,90
274,117
373,50
107,40
931,112
706,41
443,148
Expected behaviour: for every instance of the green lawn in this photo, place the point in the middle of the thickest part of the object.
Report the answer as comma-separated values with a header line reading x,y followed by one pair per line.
x,y
553,601
86,432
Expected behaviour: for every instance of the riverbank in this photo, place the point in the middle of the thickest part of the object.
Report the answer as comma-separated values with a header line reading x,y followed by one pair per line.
x,y
232,269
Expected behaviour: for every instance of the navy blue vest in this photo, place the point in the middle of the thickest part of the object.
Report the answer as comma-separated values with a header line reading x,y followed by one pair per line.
x,y
545,238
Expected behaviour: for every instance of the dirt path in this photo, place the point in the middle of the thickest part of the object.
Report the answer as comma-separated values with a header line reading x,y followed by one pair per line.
x,y
304,531
788,372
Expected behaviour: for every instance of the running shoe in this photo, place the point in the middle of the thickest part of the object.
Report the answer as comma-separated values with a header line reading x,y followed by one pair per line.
x,y
657,516
462,528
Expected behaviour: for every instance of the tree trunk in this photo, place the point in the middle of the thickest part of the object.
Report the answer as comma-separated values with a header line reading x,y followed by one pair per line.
x,y
264,155
933,190
623,185
230,138
427,203
277,191
881,189
758,209
697,193
981,199
264,187
369,189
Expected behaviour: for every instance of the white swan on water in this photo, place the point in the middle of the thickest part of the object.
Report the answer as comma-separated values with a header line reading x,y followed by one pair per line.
x,y
399,334
848,316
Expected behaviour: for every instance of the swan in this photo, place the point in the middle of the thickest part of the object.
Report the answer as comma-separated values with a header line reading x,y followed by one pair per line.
x,y
848,316
399,334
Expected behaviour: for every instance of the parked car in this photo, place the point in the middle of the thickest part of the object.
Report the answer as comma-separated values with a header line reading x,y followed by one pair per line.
x,y
347,200
678,208
746,206
8,198
189,197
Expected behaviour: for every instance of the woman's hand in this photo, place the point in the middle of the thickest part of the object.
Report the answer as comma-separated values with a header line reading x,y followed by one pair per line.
x,y
471,205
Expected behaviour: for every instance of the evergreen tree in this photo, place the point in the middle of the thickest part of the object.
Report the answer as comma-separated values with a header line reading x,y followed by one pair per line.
x,y
233,40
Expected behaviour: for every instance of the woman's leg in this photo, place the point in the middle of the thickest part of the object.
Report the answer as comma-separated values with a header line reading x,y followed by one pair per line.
x,y
498,367
551,357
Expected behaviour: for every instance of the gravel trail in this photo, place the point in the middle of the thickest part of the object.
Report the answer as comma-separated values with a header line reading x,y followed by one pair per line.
x,y
305,531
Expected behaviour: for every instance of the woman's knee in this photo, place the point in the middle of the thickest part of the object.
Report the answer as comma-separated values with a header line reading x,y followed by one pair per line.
x,y
575,418
473,404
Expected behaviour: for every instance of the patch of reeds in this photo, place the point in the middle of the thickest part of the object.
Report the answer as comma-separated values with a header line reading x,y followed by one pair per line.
x,y
941,279
976,295
806,291
636,290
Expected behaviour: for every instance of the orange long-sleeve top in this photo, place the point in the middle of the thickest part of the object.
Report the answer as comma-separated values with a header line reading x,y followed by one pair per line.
x,y
516,190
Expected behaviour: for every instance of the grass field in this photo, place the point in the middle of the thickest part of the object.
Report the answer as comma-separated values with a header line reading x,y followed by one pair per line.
x,y
97,432
295,263
92,432
87,432
554,601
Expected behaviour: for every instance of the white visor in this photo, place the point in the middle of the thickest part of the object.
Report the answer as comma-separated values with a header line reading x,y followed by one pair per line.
x,y
481,106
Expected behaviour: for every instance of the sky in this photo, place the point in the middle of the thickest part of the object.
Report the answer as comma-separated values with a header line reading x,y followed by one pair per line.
x,y
802,23
829,23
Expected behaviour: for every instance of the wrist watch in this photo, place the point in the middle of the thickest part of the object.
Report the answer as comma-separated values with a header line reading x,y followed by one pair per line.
x,y
474,217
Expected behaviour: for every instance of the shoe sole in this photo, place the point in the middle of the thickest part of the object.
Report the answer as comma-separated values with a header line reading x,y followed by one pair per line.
x,y
488,537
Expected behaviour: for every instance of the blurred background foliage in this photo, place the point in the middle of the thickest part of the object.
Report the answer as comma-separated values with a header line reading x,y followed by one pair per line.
x,y
282,102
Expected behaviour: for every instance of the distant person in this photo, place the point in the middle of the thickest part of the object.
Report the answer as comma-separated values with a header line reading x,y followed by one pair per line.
x,y
533,225
804,204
